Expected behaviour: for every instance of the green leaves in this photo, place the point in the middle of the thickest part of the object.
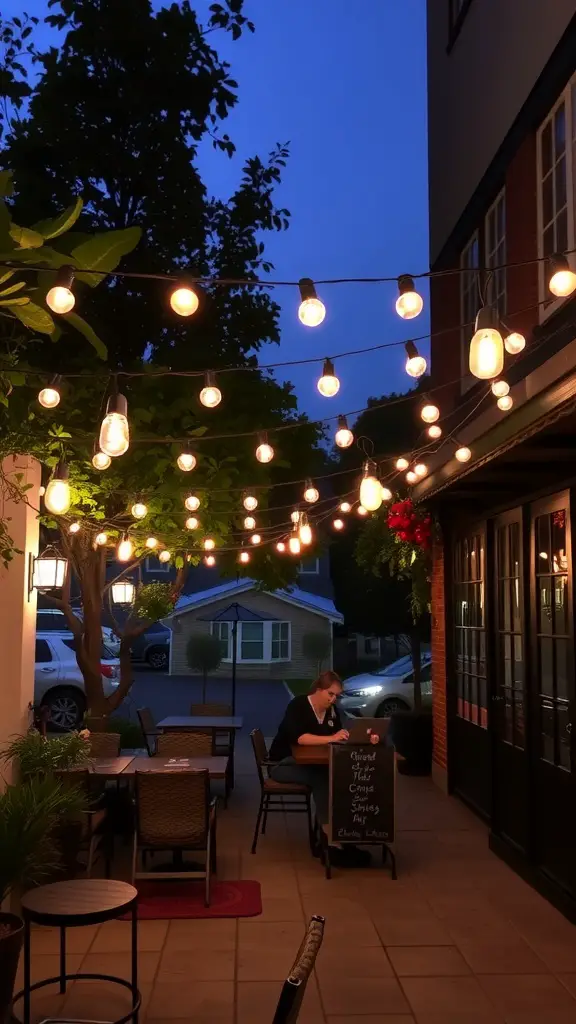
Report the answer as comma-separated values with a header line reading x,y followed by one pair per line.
x,y
103,253
35,318
26,238
56,226
88,332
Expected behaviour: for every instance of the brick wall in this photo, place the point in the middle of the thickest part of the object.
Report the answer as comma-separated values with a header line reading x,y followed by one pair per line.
x,y
439,655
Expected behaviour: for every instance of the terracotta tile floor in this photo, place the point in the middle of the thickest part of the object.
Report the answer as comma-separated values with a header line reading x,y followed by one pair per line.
x,y
458,939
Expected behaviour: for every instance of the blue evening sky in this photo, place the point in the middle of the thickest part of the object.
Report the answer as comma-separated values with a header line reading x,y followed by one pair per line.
x,y
345,83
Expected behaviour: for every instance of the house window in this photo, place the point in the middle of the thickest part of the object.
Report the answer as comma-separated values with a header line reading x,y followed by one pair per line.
x,y
495,248
556,183
510,647
280,650
470,630
252,641
223,630
154,565
309,567
255,641
469,301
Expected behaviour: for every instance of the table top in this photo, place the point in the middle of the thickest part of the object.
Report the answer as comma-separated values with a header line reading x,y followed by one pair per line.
x,y
79,901
184,722
216,766
110,766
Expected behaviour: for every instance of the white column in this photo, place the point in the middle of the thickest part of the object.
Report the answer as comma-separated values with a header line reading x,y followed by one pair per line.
x,y
17,607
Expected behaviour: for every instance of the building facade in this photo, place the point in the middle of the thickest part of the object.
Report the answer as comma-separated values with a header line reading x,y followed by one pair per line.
x,y
502,177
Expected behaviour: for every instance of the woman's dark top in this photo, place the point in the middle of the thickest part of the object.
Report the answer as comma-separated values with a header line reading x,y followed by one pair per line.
x,y
299,718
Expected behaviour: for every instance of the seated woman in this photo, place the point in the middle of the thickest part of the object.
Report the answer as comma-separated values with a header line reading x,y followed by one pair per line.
x,y
312,720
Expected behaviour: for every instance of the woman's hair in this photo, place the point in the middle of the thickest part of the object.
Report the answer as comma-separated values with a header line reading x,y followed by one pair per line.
x,y
325,680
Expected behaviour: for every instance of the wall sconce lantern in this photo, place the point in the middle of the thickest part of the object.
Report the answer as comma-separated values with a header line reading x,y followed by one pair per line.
x,y
123,592
47,571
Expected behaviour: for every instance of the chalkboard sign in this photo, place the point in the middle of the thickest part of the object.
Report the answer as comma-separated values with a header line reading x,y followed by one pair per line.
x,y
362,791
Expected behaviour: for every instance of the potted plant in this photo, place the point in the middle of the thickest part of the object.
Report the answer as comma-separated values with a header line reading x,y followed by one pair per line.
x,y
29,814
39,755
204,654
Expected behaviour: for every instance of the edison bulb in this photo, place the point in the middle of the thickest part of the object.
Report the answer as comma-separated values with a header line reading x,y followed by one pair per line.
x,y
192,523
338,524
60,300
362,511
420,469
114,434
500,388
184,301
505,403
295,516
249,523
345,506
409,303
514,343
386,494
328,385
463,454
244,557
486,358
370,492
430,413
209,544
164,556
411,477
125,550
139,510
281,547
74,528
294,545
210,561
57,498
250,502
186,461
311,312
49,398
305,533
211,396
192,503
264,452
416,366
311,494
101,539
434,431
562,282
402,464
344,437
100,460
151,543
255,538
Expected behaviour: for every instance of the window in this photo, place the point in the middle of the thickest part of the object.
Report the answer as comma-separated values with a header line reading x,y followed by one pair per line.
x,y
470,630
43,652
495,248
252,641
105,654
510,675
255,641
223,630
309,566
556,183
48,621
280,641
154,565
469,301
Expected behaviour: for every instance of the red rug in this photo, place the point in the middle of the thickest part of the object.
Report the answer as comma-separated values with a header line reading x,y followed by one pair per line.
x,y
168,900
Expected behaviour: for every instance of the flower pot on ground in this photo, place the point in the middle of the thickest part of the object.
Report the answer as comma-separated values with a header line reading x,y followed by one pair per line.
x,y
411,734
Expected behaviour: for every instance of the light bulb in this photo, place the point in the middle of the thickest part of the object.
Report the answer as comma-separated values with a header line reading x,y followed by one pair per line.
x,y
386,494
562,278
370,488
210,396
328,384
411,477
486,357
281,547
345,506
210,561
164,556
114,432
244,557
192,523
101,539
500,388
434,431
139,510
192,503
402,464
305,533
74,528
255,538
250,502
294,545
295,516
362,511
60,298
420,469
311,310
57,498
100,460
463,454
338,524
514,343
151,543
186,461
311,493
264,451
49,397
209,544
249,523
430,413
409,303
343,436
184,300
125,550
416,365
505,403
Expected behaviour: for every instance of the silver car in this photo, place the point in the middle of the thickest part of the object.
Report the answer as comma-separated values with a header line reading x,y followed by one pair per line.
x,y
58,682
50,620
377,694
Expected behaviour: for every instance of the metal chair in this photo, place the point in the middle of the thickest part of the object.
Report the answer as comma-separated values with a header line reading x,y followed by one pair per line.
x,y
174,812
293,989
223,742
90,830
273,795
150,731
184,744
105,744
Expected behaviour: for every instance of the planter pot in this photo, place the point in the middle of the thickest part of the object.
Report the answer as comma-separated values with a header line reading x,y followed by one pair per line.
x,y
11,936
96,723
411,734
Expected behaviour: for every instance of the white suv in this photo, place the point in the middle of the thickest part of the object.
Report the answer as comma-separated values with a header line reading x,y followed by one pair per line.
x,y
52,620
58,682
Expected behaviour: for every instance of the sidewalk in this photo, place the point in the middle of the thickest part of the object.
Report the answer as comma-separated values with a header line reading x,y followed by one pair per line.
x,y
458,939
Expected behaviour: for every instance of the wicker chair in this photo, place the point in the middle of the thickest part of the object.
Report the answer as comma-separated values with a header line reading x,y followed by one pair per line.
x,y
184,744
174,812
149,728
289,797
104,744
294,987
223,738
90,832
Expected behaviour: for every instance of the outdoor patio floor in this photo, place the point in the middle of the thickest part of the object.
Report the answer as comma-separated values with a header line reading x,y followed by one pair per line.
x,y
457,939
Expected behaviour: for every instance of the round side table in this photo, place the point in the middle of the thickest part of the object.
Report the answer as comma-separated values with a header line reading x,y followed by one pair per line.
x,y
71,905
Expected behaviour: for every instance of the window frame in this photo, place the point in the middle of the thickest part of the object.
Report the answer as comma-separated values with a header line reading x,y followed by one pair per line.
x,y
159,567
467,379
267,641
472,634
309,572
490,251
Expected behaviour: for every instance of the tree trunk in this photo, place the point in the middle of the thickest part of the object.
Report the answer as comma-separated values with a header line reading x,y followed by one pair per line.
x,y
417,666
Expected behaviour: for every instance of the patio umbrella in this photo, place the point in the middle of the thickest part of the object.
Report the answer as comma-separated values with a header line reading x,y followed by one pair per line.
x,y
235,613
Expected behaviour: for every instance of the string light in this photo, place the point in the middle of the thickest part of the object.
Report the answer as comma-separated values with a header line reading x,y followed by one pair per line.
x,y
186,461
409,303
338,524
164,556
311,311
281,547
362,511
210,396
311,493
210,561
420,469
435,431
125,550
499,388
411,477
264,451
305,530
139,510
463,454
184,299
402,463
60,299
514,343
192,503
49,397
249,523
345,506
151,543
294,544
255,538
209,544
386,494
486,358
295,516
192,523
115,432
429,413
370,488
343,436
416,365
101,539
57,497
562,279
100,460
250,502
244,557
505,403
328,384
74,528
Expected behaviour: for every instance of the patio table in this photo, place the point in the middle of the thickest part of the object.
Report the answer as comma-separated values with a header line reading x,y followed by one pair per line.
x,y
109,767
216,766
209,723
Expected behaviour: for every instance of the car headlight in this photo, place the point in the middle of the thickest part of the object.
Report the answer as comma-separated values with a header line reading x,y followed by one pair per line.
x,y
366,691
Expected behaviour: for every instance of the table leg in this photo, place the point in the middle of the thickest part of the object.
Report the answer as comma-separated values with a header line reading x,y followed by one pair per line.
x,y
26,971
135,957
62,960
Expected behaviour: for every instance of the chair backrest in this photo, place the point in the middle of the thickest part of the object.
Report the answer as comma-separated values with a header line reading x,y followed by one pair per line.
x,y
104,744
146,719
294,987
208,710
172,808
184,744
260,751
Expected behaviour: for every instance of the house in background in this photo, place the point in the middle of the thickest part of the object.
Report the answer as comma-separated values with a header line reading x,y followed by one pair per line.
x,y
502,180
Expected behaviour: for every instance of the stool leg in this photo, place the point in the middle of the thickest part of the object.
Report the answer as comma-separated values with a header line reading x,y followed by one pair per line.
x,y
26,971
135,958
62,960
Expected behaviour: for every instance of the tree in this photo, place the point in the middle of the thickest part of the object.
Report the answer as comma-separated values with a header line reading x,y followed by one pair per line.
x,y
203,654
316,647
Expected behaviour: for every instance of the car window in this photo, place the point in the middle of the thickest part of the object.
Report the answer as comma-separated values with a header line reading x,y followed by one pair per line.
x,y
43,652
105,654
46,621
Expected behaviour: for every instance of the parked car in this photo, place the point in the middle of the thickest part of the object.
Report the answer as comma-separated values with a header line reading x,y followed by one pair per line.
x,y
50,620
58,682
153,647
378,694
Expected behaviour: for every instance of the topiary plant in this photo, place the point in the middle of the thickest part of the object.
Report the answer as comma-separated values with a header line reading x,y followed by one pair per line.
x,y
203,654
